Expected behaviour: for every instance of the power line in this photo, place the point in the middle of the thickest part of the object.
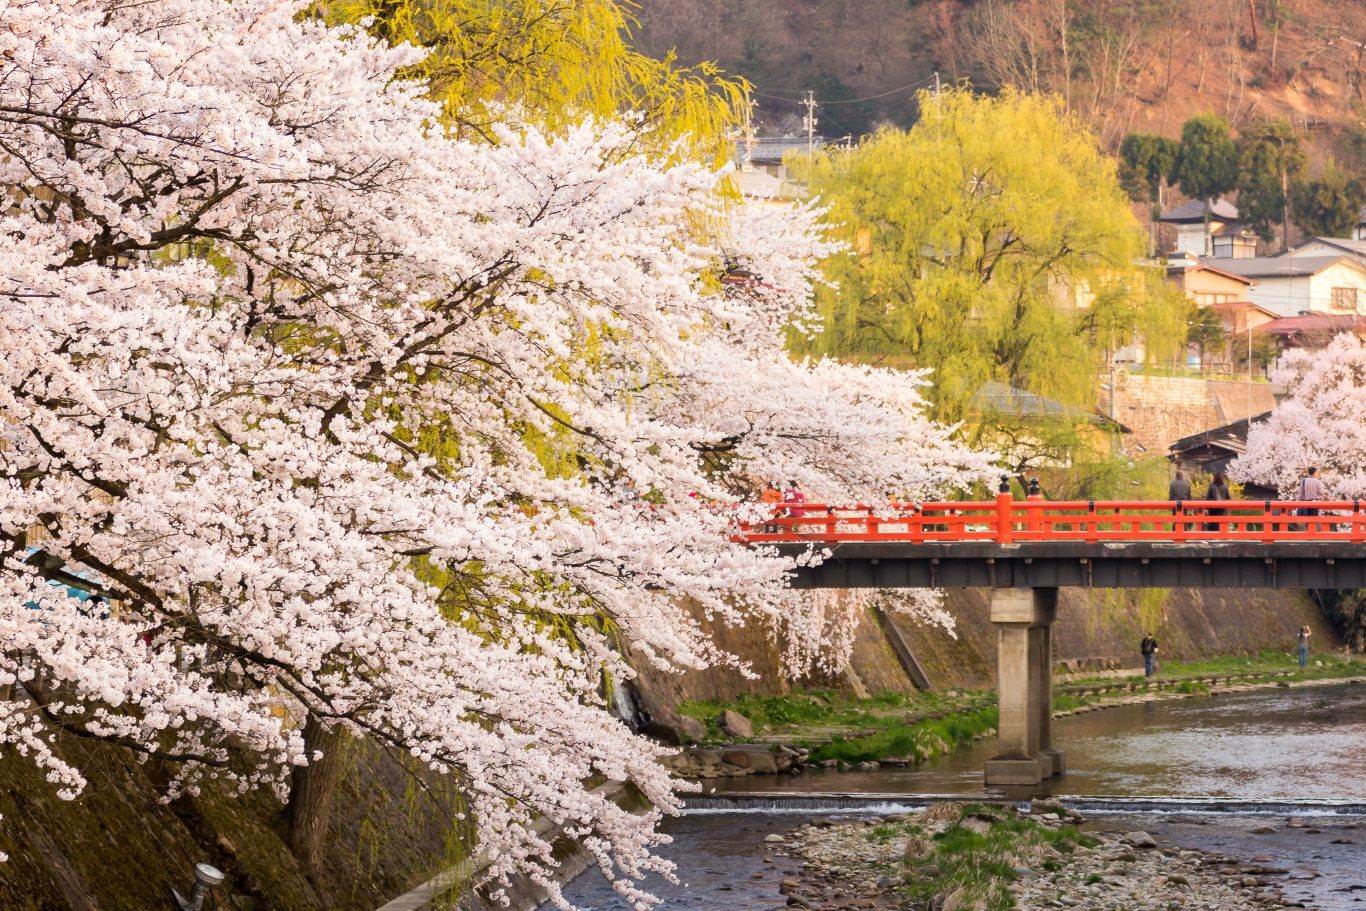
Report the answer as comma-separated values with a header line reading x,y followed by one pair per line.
x,y
933,78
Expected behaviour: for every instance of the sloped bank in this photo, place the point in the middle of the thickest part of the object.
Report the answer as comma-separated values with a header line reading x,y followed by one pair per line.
x,y
1094,627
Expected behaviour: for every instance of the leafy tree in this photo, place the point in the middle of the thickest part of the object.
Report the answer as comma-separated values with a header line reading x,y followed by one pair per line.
x,y
991,241
1328,205
1204,331
1207,164
558,63
1146,162
1270,157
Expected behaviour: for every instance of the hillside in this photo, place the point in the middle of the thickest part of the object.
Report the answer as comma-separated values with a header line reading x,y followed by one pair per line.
x,y
1125,65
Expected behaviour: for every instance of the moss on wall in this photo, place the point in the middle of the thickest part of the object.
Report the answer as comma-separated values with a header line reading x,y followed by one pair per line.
x,y
117,847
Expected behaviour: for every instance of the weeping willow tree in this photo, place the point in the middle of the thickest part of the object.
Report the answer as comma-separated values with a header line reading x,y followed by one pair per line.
x,y
990,242
556,62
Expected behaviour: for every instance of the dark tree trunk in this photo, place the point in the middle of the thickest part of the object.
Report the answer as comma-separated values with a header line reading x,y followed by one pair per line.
x,y
310,795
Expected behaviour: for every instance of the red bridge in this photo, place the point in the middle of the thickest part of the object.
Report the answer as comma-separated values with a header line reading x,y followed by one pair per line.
x,y
1009,545
1009,521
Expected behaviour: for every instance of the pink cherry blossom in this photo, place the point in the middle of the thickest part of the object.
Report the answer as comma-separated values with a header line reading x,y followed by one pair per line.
x,y
353,420
1318,424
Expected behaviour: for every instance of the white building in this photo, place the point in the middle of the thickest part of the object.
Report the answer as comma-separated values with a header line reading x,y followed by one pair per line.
x,y
1228,238
1290,285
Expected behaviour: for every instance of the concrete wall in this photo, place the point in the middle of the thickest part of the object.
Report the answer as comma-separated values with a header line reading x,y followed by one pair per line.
x,y
1091,624
1162,409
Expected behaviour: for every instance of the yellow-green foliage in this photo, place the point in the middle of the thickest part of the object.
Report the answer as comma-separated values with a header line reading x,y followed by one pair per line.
x,y
557,61
991,241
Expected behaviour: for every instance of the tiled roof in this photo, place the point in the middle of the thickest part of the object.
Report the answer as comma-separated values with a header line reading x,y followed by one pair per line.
x,y
1315,322
1280,266
1194,211
771,149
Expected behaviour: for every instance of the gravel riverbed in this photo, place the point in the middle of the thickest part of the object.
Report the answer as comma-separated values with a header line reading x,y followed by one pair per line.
x,y
955,857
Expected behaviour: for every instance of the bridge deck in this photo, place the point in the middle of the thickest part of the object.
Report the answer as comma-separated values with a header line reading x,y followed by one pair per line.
x,y
1037,544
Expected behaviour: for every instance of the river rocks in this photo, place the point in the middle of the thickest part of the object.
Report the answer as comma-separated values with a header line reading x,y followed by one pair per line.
x,y
735,760
880,867
734,724
773,838
675,730
1139,840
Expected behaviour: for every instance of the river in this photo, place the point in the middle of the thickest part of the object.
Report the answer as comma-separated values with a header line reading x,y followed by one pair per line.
x,y
1202,772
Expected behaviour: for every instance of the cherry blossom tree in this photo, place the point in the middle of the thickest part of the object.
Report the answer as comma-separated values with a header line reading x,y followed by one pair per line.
x,y
1318,424
351,417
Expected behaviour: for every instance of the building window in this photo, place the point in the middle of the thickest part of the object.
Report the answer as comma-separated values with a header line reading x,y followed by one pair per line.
x,y
1344,300
1209,298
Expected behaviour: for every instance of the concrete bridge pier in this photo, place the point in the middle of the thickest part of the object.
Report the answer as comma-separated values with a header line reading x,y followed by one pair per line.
x,y
1024,621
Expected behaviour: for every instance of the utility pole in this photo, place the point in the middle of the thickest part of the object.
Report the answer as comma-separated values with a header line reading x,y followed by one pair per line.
x,y
809,121
748,163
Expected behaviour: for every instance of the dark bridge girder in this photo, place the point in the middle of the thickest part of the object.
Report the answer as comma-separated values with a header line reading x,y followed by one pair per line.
x,y
1241,564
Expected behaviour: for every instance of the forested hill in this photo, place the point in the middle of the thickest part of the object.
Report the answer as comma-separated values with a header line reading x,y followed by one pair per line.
x,y
1126,65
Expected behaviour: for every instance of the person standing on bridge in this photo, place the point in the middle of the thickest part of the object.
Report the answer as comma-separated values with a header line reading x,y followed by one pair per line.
x,y
1302,640
1179,489
771,497
1309,490
1149,649
1218,490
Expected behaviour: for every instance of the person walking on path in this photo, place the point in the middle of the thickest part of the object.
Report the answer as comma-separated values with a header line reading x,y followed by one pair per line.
x,y
1302,640
1218,490
1179,489
1149,649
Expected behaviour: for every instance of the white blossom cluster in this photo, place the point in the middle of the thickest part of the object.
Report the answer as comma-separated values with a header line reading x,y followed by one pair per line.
x,y
294,375
1319,424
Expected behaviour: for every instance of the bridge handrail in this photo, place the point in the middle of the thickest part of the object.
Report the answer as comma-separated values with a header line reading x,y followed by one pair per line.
x,y
1006,520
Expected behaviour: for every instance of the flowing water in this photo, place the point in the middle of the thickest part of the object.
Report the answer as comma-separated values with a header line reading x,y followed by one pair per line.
x,y
1203,772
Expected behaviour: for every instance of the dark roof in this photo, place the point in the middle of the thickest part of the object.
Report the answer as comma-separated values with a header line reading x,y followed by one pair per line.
x,y
771,149
998,398
1232,437
1314,322
1194,211
1281,266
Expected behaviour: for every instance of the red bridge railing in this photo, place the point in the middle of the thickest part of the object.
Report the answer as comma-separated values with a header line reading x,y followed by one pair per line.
x,y
1006,520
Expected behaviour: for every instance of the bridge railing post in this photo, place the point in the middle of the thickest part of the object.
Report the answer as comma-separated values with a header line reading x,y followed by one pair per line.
x,y
1005,516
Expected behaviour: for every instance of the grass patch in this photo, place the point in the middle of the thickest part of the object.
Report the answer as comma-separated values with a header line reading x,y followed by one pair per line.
x,y
975,858
1323,666
914,742
795,712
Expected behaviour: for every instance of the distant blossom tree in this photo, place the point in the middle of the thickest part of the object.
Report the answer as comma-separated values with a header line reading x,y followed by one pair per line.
x,y
1319,423
247,281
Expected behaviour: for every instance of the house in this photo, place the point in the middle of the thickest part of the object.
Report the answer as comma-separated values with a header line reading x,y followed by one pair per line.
x,y
1189,220
1291,285
1329,246
1212,450
1206,283
765,154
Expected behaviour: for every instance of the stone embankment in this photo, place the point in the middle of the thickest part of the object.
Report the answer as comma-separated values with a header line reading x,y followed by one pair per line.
x,y
953,857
